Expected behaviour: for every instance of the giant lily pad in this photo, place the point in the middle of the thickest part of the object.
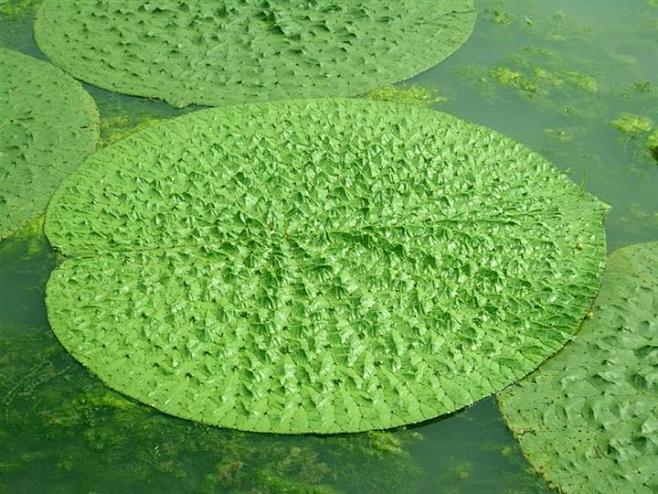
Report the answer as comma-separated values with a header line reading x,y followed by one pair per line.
x,y
243,51
588,418
48,123
320,265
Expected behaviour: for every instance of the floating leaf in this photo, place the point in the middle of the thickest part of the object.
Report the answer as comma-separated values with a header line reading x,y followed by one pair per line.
x,y
588,418
48,123
214,53
207,273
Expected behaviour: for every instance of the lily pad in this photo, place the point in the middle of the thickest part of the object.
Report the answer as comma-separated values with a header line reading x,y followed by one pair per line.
x,y
324,266
588,418
214,53
49,124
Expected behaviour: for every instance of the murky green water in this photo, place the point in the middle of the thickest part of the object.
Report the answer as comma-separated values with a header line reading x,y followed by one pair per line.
x,y
554,75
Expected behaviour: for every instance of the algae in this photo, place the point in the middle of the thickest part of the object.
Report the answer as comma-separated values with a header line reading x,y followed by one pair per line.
x,y
568,72
126,447
560,134
652,144
629,123
516,79
536,81
231,52
635,126
49,125
31,231
92,439
18,7
652,139
586,419
582,81
229,269
113,129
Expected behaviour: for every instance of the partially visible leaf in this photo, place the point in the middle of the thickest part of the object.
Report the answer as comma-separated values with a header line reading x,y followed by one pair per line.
x,y
587,419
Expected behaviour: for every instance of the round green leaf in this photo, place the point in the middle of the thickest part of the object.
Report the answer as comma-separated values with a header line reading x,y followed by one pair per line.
x,y
588,418
319,265
48,124
214,53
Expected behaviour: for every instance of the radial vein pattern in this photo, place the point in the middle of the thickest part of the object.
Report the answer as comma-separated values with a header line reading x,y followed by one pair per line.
x,y
319,266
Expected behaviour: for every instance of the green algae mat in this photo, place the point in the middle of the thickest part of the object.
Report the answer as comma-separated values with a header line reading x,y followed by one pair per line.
x,y
587,419
214,53
326,266
48,124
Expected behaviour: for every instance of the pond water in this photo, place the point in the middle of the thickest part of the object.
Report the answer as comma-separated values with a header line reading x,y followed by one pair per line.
x,y
555,75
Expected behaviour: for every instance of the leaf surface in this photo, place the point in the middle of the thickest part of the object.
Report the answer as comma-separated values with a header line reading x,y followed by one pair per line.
x,y
353,264
587,419
48,124
214,53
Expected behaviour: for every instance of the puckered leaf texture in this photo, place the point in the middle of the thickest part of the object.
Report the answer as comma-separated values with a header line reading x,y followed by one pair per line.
x,y
324,266
218,52
588,418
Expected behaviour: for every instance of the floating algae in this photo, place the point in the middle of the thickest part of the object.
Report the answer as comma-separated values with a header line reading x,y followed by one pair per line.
x,y
540,81
219,52
113,129
652,144
629,123
17,7
93,439
587,419
49,123
319,266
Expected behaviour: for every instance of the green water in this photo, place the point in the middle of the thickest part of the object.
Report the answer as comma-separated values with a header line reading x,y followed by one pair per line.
x,y
552,74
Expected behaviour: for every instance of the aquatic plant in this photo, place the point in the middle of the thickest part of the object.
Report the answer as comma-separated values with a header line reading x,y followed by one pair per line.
x,y
93,439
215,53
409,95
587,418
320,265
652,144
567,81
49,124
541,81
639,126
629,123
113,129
17,7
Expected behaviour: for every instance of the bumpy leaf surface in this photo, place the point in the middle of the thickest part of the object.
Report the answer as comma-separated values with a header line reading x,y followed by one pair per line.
x,y
588,418
319,265
48,123
243,51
